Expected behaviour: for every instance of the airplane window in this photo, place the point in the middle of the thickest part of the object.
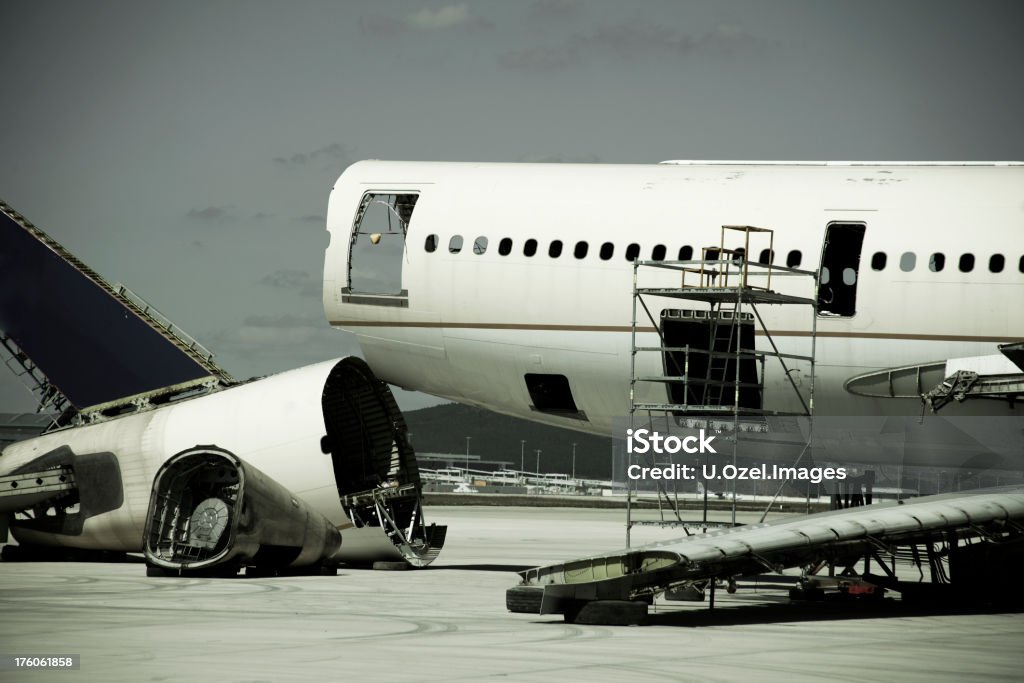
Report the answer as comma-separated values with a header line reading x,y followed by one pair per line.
x,y
505,246
555,250
431,244
685,253
966,263
530,247
849,276
936,262
1020,264
878,261
794,258
581,250
455,244
825,275
996,263
658,253
632,251
608,250
767,256
479,245
908,261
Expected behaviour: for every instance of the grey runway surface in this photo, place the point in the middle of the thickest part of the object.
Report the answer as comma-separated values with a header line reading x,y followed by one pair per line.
x,y
448,622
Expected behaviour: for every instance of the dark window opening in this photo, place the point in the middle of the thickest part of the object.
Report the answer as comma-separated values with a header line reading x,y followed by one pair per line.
x,y
710,379
685,253
840,266
607,251
767,257
377,246
551,394
555,250
505,246
632,252
530,247
1020,264
878,260
936,262
996,263
658,253
966,263
581,250
431,244
794,258
455,244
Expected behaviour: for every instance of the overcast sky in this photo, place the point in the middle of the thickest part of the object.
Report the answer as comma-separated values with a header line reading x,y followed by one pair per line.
x,y
187,149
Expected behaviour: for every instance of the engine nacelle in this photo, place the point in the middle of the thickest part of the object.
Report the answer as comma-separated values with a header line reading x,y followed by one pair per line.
x,y
210,509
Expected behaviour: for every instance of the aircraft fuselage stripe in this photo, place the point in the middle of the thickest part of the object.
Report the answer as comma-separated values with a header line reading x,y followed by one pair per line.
x,y
625,328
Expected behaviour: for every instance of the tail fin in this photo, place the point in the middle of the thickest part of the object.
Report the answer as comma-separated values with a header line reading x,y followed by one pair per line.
x,y
80,340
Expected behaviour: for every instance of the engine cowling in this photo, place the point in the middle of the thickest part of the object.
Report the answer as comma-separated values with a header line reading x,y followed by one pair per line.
x,y
210,509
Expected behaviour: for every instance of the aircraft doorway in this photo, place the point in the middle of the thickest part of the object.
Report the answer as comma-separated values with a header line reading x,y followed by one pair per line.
x,y
840,269
377,249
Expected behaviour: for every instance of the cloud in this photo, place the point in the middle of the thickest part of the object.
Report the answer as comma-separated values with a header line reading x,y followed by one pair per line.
x,y
294,280
447,17
210,213
543,59
337,154
634,41
544,11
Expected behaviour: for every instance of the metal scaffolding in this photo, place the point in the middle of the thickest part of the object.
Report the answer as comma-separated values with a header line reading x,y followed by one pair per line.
x,y
711,369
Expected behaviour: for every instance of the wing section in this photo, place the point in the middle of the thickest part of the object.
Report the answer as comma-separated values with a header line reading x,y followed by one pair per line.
x,y
838,535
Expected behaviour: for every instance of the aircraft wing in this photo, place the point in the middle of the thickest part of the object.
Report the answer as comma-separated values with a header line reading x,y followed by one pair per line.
x,y
837,535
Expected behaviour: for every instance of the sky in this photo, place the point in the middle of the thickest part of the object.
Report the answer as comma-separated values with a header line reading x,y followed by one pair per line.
x,y
187,150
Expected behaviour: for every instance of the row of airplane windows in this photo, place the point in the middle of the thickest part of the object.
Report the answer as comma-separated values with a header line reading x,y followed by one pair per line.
x,y
879,260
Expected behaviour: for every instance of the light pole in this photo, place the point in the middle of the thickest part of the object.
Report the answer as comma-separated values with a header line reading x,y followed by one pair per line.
x,y
467,453
522,456
573,459
538,462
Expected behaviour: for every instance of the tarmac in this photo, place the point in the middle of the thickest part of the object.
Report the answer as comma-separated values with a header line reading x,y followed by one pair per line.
x,y
449,623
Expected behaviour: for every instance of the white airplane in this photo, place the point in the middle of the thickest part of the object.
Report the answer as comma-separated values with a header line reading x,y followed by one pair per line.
x,y
509,286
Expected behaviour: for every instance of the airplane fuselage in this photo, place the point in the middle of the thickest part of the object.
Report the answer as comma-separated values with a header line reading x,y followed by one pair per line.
x,y
500,271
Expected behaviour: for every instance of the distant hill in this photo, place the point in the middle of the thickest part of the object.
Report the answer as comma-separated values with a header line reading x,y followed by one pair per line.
x,y
444,428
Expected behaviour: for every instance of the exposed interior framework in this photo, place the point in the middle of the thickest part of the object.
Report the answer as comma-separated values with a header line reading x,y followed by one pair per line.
x,y
374,465
197,499
212,512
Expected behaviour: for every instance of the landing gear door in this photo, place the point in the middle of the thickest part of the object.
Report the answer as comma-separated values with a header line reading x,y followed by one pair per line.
x,y
377,249
840,269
